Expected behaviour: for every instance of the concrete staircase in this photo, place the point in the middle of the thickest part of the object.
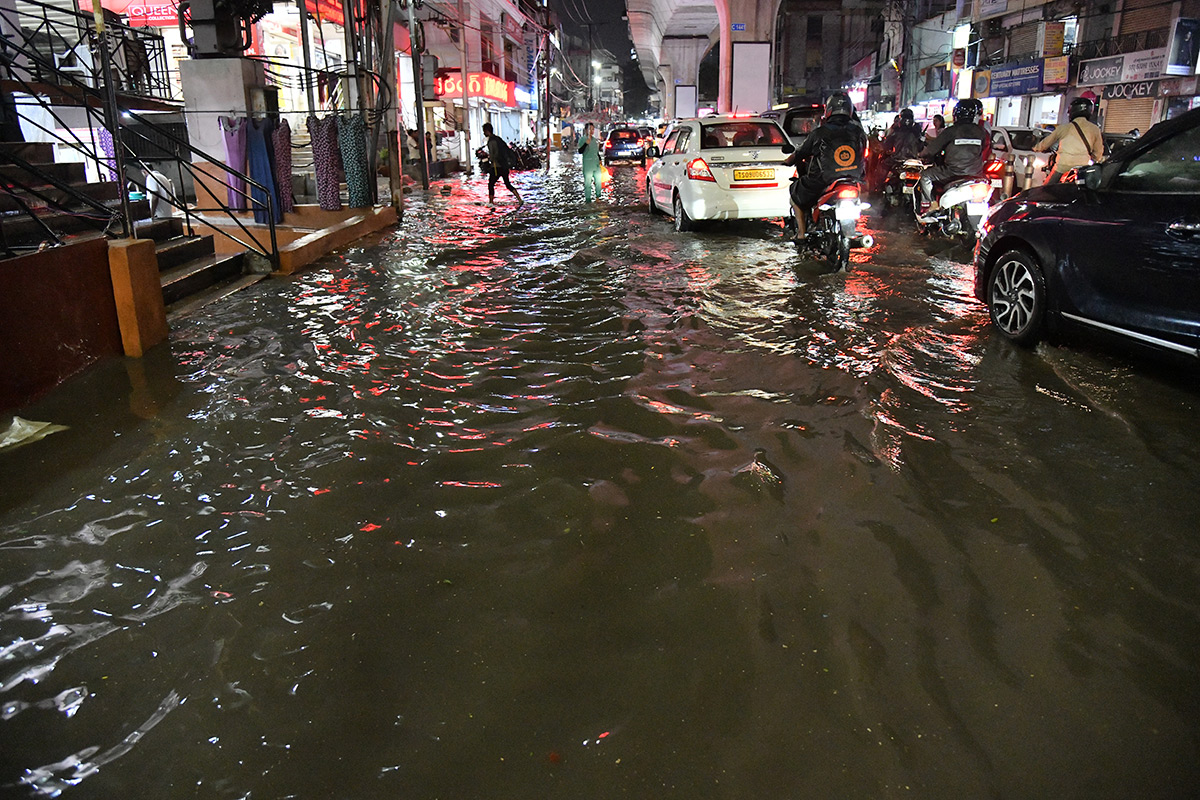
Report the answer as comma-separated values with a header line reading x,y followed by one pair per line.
x,y
192,273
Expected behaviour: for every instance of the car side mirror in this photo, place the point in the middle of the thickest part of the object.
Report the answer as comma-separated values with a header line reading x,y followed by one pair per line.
x,y
1090,177
788,148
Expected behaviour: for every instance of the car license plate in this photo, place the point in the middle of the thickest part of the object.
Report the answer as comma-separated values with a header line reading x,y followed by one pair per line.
x,y
754,174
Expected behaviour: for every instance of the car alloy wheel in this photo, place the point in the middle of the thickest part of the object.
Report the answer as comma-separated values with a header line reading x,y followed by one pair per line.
x,y
683,223
1017,297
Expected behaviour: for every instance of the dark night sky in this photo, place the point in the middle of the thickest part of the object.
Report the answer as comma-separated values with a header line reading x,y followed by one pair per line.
x,y
612,32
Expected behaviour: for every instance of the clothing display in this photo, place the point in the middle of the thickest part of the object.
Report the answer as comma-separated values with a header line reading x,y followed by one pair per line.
x,y
282,138
352,140
261,172
110,155
327,161
233,130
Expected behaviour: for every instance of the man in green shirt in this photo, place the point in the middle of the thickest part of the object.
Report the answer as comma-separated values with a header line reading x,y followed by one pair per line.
x,y
589,147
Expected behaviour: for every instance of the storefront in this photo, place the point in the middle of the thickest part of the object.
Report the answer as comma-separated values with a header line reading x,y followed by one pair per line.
x,y
1025,93
1128,86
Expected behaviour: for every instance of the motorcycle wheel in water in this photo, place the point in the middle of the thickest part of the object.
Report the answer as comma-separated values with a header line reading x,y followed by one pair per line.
x,y
833,231
962,206
900,186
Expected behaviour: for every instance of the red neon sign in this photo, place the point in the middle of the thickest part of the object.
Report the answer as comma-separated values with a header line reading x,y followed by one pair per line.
x,y
479,84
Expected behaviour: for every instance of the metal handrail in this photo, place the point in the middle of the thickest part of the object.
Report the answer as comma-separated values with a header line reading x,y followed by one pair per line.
x,y
138,60
272,254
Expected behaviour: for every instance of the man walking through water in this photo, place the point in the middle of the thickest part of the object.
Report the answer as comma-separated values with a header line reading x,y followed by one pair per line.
x,y
589,148
498,155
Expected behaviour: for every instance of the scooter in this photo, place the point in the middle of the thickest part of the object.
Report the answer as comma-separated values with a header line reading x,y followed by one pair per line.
x,y
901,184
833,230
963,204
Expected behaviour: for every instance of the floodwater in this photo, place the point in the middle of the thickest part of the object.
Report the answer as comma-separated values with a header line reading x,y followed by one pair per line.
x,y
557,503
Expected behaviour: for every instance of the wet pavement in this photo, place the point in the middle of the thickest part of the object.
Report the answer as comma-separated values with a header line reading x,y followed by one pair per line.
x,y
554,502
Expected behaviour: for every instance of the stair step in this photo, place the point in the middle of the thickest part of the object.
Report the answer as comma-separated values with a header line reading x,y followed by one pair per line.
x,y
160,230
187,279
33,152
104,192
174,252
67,172
212,294
20,230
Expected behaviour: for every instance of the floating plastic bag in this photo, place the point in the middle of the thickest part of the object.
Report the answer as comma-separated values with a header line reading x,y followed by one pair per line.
x,y
24,431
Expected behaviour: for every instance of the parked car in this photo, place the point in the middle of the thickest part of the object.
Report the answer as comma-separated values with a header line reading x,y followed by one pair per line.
x,y
623,144
1117,251
721,167
1014,145
1114,142
799,120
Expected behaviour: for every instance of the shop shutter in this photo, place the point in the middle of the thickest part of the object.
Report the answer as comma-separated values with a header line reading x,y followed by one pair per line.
x,y
1144,15
1122,116
1023,41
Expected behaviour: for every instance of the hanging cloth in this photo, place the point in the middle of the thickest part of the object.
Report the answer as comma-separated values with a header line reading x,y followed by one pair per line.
x,y
282,137
233,130
110,155
326,160
352,139
260,172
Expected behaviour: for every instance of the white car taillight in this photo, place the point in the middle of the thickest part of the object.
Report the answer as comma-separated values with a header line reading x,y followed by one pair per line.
x,y
697,170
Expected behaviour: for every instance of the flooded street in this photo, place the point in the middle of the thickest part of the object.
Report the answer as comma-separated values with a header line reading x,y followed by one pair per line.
x,y
554,502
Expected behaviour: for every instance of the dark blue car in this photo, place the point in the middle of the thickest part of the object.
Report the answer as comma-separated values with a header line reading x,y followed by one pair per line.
x,y
1116,252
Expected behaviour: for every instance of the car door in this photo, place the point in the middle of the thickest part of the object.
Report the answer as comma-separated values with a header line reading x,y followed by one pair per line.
x,y
671,172
1131,248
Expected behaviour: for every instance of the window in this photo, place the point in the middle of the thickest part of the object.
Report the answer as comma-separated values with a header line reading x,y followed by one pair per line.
x,y
680,137
741,134
998,142
1170,167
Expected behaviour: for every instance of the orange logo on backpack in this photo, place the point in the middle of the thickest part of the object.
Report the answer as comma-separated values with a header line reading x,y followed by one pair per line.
x,y
845,157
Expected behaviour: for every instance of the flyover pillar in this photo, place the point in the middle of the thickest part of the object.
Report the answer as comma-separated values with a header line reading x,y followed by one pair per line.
x,y
679,63
755,22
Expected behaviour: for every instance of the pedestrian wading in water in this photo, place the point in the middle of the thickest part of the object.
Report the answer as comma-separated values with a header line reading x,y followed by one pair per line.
x,y
498,155
589,148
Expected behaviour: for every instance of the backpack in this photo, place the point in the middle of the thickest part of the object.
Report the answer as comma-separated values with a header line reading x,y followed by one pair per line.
x,y
505,157
839,155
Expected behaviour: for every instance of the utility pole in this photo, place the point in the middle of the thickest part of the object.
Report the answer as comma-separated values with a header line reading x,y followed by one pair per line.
x,y
466,125
420,93
546,65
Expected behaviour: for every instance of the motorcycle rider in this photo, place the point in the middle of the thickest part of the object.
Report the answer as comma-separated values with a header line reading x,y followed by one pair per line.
x,y
903,141
962,149
1079,141
835,149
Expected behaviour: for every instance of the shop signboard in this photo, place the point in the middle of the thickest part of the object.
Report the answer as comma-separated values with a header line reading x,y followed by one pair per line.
x,y
1185,47
982,83
1056,71
1050,38
1024,77
990,8
1129,68
479,84
1129,91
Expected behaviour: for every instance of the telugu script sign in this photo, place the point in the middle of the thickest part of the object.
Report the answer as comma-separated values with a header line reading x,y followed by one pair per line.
x,y
479,84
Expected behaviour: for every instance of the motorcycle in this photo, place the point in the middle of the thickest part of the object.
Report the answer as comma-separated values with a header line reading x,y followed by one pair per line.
x,y
833,230
900,186
963,203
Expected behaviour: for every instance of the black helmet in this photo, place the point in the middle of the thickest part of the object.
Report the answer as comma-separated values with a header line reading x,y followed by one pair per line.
x,y
906,116
839,103
969,110
1080,107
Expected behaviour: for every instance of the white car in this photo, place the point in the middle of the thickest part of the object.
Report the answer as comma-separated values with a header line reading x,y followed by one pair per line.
x,y
721,168
1015,146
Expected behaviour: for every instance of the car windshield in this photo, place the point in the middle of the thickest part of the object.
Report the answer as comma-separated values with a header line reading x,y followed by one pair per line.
x,y
624,135
803,124
1171,167
741,134
1025,139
